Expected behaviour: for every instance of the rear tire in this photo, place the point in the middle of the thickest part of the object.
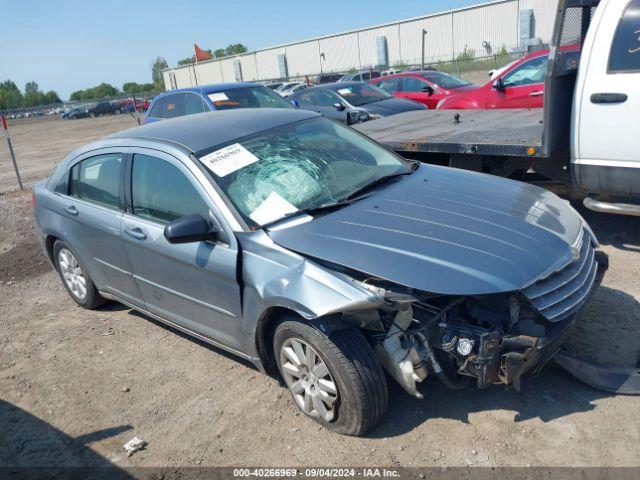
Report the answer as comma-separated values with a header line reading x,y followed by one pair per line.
x,y
74,277
352,371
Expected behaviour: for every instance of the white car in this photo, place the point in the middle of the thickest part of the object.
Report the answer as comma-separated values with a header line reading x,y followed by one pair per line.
x,y
291,89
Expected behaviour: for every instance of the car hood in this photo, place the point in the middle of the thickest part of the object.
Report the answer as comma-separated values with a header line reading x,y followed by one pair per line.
x,y
444,231
391,106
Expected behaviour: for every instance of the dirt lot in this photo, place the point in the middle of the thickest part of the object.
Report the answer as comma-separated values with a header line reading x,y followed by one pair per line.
x,y
76,385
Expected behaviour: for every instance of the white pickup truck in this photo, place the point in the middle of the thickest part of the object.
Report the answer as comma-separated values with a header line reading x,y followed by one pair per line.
x,y
585,137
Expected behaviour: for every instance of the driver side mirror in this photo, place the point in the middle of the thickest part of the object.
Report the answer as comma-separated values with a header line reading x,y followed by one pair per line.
x,y
427,89
192,228
339,106
295,103
498,85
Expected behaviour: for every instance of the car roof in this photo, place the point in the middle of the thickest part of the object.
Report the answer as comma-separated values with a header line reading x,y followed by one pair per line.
x,y
203,131
335,85
211,88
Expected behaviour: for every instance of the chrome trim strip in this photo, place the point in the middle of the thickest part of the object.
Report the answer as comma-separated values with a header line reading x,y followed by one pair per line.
x,y
106,264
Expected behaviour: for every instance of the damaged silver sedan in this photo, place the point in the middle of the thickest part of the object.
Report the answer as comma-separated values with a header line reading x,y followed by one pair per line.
x,y
320,256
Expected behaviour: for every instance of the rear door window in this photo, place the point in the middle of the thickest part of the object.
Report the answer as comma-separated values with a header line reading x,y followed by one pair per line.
x,y
97,180
170,106
389,85
306,99
625,50
412,84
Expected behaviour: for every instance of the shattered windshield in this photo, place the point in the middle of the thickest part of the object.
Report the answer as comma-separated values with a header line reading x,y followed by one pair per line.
x,y
296,167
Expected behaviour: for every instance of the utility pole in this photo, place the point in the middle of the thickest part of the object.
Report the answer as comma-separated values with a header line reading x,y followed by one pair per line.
x,y
424,34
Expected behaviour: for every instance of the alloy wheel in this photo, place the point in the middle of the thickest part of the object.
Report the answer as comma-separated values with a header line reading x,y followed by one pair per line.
x,y
72,273
307,376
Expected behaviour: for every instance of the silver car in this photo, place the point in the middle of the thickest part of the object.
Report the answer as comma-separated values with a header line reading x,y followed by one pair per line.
x,y
303,246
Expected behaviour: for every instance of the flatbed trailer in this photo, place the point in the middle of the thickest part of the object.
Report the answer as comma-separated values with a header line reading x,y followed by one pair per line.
x,y
500,133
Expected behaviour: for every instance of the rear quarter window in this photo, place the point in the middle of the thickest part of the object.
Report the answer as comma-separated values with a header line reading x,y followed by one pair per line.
x,y
170,106
625,49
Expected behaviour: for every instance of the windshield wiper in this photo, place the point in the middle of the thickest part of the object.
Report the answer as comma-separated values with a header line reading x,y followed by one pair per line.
x,y
356,193
307,211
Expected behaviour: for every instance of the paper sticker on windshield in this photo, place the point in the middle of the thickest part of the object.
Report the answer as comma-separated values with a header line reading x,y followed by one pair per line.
x,y
273,208
229,159
218,97
344,91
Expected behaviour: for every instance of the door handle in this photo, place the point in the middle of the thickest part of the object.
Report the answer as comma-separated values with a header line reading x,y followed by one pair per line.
x,y
136,232
537,93
608,98
71,210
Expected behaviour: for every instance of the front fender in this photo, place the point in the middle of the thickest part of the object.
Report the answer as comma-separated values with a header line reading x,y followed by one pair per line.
x,y
273,276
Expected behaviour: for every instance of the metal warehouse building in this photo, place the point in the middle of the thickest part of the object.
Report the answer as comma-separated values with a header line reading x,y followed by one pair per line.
x,y
483,29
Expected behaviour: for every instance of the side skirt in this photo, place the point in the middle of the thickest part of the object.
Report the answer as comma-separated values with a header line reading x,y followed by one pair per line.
x,y
255,361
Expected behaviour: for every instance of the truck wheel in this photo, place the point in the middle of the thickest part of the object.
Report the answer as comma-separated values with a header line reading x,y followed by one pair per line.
x,y
75,279
334,377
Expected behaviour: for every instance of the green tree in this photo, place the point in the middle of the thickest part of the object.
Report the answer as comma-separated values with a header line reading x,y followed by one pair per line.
x,y
231,49
100,91
51,97
132,88
187,60
156,73
10,95
235,49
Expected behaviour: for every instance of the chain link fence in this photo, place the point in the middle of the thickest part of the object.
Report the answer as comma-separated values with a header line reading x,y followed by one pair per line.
x,y
38,138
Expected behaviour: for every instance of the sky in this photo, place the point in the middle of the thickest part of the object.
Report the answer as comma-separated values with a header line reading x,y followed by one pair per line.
x,y
67,45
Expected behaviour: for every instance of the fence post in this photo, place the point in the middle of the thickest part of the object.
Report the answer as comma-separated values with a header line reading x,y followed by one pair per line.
x,y
13,155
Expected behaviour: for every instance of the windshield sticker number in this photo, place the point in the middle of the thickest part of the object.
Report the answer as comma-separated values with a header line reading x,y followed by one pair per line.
x,y
345,91
218,97
273,208
229,159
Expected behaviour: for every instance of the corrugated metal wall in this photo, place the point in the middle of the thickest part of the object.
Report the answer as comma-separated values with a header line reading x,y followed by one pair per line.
x,y
484,29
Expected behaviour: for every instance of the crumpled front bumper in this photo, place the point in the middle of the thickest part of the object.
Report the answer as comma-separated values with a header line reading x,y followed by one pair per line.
x,y
508,358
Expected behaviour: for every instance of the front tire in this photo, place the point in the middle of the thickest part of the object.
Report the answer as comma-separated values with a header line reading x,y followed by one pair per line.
x,y
74,277
333,377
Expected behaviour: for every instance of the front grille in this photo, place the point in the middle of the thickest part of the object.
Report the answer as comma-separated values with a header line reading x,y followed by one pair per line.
x,y
563,292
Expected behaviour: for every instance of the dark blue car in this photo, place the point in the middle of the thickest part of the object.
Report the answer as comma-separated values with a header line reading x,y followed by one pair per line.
x,y
221,96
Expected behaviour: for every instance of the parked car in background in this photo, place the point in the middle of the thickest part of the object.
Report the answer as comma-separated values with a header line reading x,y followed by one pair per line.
x,y
363,76
424,86
291,88
391,71
274,86
105,108
222,96
326,78
79,111
352,102
521,85
315,253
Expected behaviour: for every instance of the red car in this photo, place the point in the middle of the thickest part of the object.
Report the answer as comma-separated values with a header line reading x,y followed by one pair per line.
x,y
423,86
521,85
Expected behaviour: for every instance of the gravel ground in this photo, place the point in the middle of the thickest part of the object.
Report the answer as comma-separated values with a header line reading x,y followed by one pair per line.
x,y
76,385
